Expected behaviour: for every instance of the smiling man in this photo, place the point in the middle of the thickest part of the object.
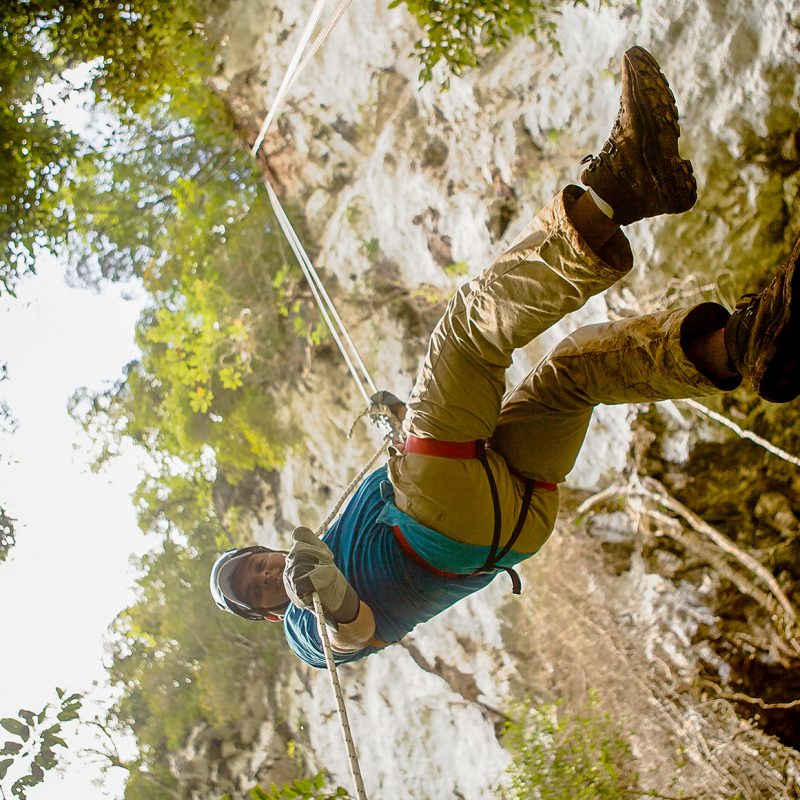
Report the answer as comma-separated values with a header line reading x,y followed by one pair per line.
x,y
474,491
258,580
251,583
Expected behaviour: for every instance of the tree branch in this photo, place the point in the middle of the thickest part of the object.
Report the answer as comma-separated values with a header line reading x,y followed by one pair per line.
x,y
743,433
658,492
746,698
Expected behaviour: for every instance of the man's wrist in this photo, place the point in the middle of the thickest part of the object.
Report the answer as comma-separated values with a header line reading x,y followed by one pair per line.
x,y
350,637
347,611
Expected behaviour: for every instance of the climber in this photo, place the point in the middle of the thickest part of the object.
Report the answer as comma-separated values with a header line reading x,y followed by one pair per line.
x,y
474,490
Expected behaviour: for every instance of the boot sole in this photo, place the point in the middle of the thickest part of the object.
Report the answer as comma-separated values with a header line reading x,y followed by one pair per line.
x,y
780,382
657,111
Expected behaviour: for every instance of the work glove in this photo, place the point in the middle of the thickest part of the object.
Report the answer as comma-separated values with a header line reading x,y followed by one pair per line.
x,y
310,568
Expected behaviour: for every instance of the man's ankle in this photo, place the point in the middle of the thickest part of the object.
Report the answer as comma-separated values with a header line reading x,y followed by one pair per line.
x,y
591,223
709,354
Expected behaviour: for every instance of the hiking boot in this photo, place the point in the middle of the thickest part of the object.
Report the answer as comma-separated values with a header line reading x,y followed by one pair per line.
x,y
639,172
762,336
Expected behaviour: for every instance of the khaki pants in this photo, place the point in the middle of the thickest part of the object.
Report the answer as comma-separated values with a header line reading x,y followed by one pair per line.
x,y
537,429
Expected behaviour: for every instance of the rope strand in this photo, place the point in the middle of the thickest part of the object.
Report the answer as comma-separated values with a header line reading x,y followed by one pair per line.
x,y
328,311
291,74
352,757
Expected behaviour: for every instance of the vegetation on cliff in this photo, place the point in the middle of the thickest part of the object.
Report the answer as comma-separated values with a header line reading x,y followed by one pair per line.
x,y
161,191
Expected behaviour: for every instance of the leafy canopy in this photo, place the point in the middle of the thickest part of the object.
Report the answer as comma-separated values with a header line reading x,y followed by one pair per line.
x,y
159,191
460,32
176,660
139,48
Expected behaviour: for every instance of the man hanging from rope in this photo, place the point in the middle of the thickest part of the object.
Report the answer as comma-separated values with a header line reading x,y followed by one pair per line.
x,y
474,491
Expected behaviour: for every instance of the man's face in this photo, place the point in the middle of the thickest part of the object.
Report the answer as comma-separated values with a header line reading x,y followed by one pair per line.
x,y
259,580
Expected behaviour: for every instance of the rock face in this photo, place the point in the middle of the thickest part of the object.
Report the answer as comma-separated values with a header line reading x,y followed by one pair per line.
x,y
406,189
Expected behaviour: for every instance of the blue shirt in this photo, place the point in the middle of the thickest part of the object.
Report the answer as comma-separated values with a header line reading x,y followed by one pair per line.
x,y
400,593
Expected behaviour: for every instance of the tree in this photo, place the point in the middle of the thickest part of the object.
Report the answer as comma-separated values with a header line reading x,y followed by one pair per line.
x,y
164,195
176,660
32,751
139,48
459,32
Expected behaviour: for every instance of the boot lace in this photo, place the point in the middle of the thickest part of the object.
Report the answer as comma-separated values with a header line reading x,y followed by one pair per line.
x,y
610,149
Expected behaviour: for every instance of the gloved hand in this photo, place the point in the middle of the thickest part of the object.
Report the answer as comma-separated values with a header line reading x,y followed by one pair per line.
x,y
310,568
392,401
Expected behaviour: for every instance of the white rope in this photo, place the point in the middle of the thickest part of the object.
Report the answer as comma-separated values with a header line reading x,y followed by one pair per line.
x,y
347,348
352,757
291,73
295,68
332,319
323,35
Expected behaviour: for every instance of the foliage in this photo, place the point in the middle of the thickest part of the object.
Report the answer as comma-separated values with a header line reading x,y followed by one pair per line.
x,y
8,536
557,756
458,32
7,529
170,199
159,191
34,152
301,789
140,49
183,210
33,750
176,660
218,343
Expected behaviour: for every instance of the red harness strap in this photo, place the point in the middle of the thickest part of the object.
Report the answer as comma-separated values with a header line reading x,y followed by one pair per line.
x,y
418,559
442,449
466,450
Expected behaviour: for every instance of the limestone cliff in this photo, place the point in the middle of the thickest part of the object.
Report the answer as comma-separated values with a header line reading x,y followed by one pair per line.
x,y
405,189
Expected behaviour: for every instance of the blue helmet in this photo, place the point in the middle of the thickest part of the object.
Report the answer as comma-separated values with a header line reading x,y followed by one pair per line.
x,y
221,584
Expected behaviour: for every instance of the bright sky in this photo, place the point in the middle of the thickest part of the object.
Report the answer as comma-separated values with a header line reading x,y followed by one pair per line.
x,y
69,573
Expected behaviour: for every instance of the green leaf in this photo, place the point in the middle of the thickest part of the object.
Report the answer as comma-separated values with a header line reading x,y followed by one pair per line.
x,y
46,758
16,727
28,716
11,747
19,786
4,765
56,741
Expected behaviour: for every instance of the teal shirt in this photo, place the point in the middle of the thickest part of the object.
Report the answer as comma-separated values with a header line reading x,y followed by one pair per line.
x,y
400,593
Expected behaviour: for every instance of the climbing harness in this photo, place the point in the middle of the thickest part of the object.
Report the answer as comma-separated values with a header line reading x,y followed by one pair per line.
x,y
476,449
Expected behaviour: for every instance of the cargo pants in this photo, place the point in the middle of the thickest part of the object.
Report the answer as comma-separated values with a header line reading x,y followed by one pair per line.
x,y
536,430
